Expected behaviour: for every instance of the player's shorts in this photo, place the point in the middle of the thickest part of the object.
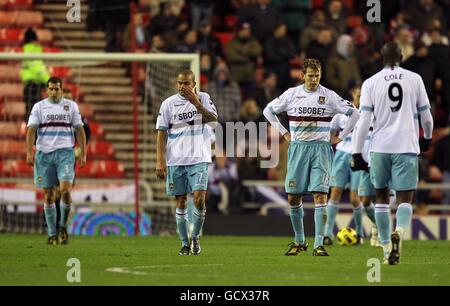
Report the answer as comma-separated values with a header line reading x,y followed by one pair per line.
x,y
309,167
341,173
399,171
54,167
365,188
182,180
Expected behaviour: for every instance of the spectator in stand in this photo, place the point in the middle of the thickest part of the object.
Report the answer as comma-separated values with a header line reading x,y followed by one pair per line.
x,y
189,44
422,11
208,43
263,18
342,67
295,15
250,112
440,54
242,53
435,25
206,69
405,40
226,95
336,17
321,48
201,11
267,90
423,64
155,6
279,50
34,73
317,23
168,25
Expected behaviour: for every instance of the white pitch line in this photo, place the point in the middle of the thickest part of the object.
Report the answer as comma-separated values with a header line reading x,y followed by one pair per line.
x,y
132,270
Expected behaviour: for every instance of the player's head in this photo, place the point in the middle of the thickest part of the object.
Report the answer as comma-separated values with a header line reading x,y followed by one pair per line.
x,y
54,89
186,78
392,54
356,94
312,72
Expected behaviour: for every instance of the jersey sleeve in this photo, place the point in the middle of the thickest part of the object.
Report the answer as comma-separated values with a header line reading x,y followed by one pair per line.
x,y
366,104
341,106
423,102
337,123
35,117
76,116
281,103
163,121
208,104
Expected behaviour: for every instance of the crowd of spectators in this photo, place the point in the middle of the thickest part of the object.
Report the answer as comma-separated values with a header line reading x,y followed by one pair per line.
x,y
252,50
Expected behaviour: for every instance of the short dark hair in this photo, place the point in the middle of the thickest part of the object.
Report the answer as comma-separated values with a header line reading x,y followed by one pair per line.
x,y
311,63
391,53
188,72
54,80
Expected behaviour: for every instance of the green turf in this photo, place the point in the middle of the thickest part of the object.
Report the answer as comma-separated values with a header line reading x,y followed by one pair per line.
x,y
27,260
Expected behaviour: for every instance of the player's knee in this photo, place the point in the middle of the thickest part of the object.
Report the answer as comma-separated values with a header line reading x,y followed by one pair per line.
x,y
181,201
366,201
294,200
65,195
199,201
49,196
336,194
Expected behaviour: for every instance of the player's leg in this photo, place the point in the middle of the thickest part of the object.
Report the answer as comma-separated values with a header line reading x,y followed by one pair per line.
x,y
357,215
332,211
320,218
405,173
50,215
321,155
177,186
297,177
380,176
366,192
296,214
198,183
340,176
65,188
65,159
45,177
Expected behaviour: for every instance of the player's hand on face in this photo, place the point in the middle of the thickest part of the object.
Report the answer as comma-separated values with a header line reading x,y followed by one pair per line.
x,y
161,170
189,94
30,159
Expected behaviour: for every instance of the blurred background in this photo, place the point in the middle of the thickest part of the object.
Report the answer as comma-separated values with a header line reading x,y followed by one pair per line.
x,y
249,52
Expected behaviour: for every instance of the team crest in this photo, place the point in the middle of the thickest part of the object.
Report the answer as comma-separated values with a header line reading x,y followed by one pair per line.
x,y
291,184
171,187
321,100
40,179
66,108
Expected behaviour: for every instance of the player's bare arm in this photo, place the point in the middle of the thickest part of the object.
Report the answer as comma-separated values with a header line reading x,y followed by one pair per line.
x,y
193,98
31,137
161,141
81,138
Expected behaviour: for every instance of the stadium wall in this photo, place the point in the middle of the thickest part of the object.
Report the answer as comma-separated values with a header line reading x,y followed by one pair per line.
x,y
431,227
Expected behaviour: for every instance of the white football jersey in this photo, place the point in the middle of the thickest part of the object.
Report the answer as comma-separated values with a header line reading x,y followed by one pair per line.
x,y
310,113
395,96
188,139
54,123
337,124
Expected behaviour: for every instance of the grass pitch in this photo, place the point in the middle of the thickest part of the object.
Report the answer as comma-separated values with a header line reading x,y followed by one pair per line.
x,y
228,261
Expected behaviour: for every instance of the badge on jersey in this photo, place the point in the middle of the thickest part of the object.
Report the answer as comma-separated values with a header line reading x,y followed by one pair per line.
x,y
66,108
321,100
171,186
292,184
